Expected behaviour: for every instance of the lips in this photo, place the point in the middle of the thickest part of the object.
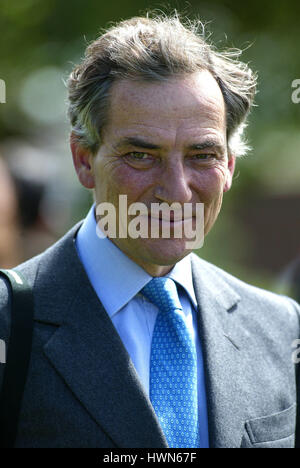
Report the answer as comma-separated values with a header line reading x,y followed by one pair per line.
x,y
171,217
171,222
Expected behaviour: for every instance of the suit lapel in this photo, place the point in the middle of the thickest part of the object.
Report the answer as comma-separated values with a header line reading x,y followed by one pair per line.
x,y
223,354
88,353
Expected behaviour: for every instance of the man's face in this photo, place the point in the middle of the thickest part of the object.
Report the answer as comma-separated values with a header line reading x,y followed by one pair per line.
x,y
164,142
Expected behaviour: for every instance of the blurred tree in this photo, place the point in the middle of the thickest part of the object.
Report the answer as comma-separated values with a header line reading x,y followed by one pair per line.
x,y
42,39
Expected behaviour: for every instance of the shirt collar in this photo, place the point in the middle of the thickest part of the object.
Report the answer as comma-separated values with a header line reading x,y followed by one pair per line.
x,y
114,276
182,273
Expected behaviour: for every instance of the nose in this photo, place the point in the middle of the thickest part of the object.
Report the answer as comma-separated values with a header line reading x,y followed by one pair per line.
x,y
173,184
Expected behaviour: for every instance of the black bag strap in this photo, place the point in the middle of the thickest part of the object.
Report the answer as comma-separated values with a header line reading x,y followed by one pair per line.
x,y
18,356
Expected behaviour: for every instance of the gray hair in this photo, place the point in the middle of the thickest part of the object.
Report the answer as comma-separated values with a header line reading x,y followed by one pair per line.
x,y
155,49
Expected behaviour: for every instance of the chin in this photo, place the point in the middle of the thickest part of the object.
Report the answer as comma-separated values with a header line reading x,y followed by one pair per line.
x,y
164,252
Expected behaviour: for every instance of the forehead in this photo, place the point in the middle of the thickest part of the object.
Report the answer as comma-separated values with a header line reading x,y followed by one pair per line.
x,y
177,106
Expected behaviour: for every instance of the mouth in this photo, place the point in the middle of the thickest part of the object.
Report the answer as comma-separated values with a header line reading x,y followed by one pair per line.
x,y
171,220
171,217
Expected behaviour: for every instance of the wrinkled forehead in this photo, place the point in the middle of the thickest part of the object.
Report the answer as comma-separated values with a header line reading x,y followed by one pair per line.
x,y
195,99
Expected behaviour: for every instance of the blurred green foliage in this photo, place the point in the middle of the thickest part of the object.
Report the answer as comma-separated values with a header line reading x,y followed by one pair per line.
x,y
39,37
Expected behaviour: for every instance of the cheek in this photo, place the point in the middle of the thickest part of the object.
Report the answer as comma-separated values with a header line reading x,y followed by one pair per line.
x,y
124,180
210,183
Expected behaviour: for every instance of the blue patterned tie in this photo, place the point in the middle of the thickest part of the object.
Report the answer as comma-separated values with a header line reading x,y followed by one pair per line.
x,y
173,367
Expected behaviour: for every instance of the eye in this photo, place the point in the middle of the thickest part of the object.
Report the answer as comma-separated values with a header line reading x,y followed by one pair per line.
x,y
139,159
138,156
203,156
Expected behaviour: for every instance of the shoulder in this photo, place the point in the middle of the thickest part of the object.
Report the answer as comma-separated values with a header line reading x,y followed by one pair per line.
x,y
254,299
28,269
48,262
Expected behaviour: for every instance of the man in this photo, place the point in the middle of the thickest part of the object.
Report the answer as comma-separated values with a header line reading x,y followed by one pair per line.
x,y
137,341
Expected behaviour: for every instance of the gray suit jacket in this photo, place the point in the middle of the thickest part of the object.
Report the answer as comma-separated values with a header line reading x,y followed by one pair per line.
x,y
82,388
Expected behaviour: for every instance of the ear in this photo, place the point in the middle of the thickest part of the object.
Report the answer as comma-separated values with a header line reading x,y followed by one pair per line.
x,y
82,162
230,172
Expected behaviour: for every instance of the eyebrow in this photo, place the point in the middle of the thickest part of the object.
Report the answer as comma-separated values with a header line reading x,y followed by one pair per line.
x,y
135,141
207,144
140,143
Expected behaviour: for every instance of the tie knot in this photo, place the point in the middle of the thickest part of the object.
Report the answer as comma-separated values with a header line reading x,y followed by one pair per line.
x,y
162,292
